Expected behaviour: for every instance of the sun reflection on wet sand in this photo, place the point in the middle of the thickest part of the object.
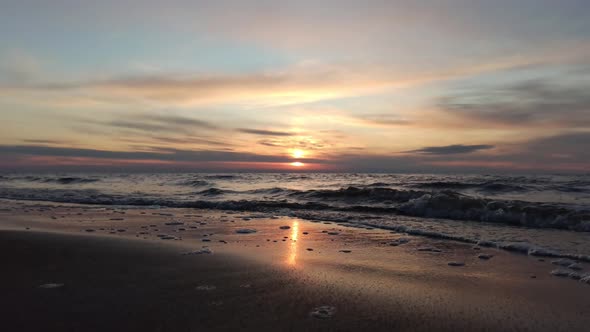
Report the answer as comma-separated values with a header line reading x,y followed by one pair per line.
x,y
292,258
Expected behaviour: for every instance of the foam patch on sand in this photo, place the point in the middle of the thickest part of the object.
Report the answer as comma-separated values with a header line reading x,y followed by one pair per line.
x,y
204,251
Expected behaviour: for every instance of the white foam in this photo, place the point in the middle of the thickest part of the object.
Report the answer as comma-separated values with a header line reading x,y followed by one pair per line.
x,y
575,266
560,273
206,288
51,286
198,252
563,262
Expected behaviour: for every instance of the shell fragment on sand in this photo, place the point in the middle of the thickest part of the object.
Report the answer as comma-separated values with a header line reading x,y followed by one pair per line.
x,y
485,256
245,231
429,249
456,264
323,312
399,241
174,223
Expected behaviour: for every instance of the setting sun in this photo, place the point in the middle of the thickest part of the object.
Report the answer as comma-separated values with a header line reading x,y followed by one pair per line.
x,y
297,164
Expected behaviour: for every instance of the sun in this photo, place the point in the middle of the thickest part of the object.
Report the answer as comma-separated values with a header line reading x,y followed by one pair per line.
x,y
297,164
297,153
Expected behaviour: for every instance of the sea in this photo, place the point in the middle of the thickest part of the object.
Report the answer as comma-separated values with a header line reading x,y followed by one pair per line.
x,y
543,215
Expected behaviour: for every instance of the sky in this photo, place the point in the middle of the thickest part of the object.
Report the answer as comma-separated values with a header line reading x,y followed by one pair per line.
x,y
350,86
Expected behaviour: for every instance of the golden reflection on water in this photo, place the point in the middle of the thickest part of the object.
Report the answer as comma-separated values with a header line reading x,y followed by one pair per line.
x,y
292,258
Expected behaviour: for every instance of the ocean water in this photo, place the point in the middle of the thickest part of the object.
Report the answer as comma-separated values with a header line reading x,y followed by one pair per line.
x,y
538,215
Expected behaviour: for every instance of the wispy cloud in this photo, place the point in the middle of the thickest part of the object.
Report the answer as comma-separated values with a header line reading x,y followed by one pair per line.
x,y
383,119
531,103
262,132
45,141
162,154
159,123
291,85
177,140
451,149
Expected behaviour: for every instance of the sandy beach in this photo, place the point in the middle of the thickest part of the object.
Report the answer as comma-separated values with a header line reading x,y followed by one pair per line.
x,y
77,267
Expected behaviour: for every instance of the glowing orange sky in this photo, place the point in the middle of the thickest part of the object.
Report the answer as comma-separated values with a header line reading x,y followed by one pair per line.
x,y
394,86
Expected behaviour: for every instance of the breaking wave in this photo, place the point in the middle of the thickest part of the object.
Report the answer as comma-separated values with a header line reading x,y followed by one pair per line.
x,y
442,204
55,180
489,186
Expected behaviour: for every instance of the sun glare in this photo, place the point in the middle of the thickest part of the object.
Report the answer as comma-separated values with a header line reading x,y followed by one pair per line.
x,y
297,153
297,164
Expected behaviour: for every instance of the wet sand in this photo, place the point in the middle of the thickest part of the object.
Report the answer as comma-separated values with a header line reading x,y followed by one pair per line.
x,y
272,279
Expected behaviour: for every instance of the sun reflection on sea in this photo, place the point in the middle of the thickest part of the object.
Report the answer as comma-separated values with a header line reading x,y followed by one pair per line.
x,y
292,258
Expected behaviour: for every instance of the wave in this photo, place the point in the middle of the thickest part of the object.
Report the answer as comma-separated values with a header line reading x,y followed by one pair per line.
x,y
572,187
194,183
221,177
488,186
360,194
56,180
444,185
273,191
298,177
444,204
212,192
378,184
452,205
501,187
71,180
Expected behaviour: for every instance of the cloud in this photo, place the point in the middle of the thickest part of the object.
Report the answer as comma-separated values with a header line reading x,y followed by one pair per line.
x,y
300,142
44,141
291,85
567,146
177,140
161,154
160,123
566,152
451,149
562,152
384,119
263,132
530,103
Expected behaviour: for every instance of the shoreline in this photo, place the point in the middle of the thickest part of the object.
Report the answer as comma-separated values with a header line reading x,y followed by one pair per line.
x,y
371,284
515,246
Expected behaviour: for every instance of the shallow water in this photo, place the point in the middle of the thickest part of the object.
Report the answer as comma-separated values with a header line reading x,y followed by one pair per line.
x,y
537,214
